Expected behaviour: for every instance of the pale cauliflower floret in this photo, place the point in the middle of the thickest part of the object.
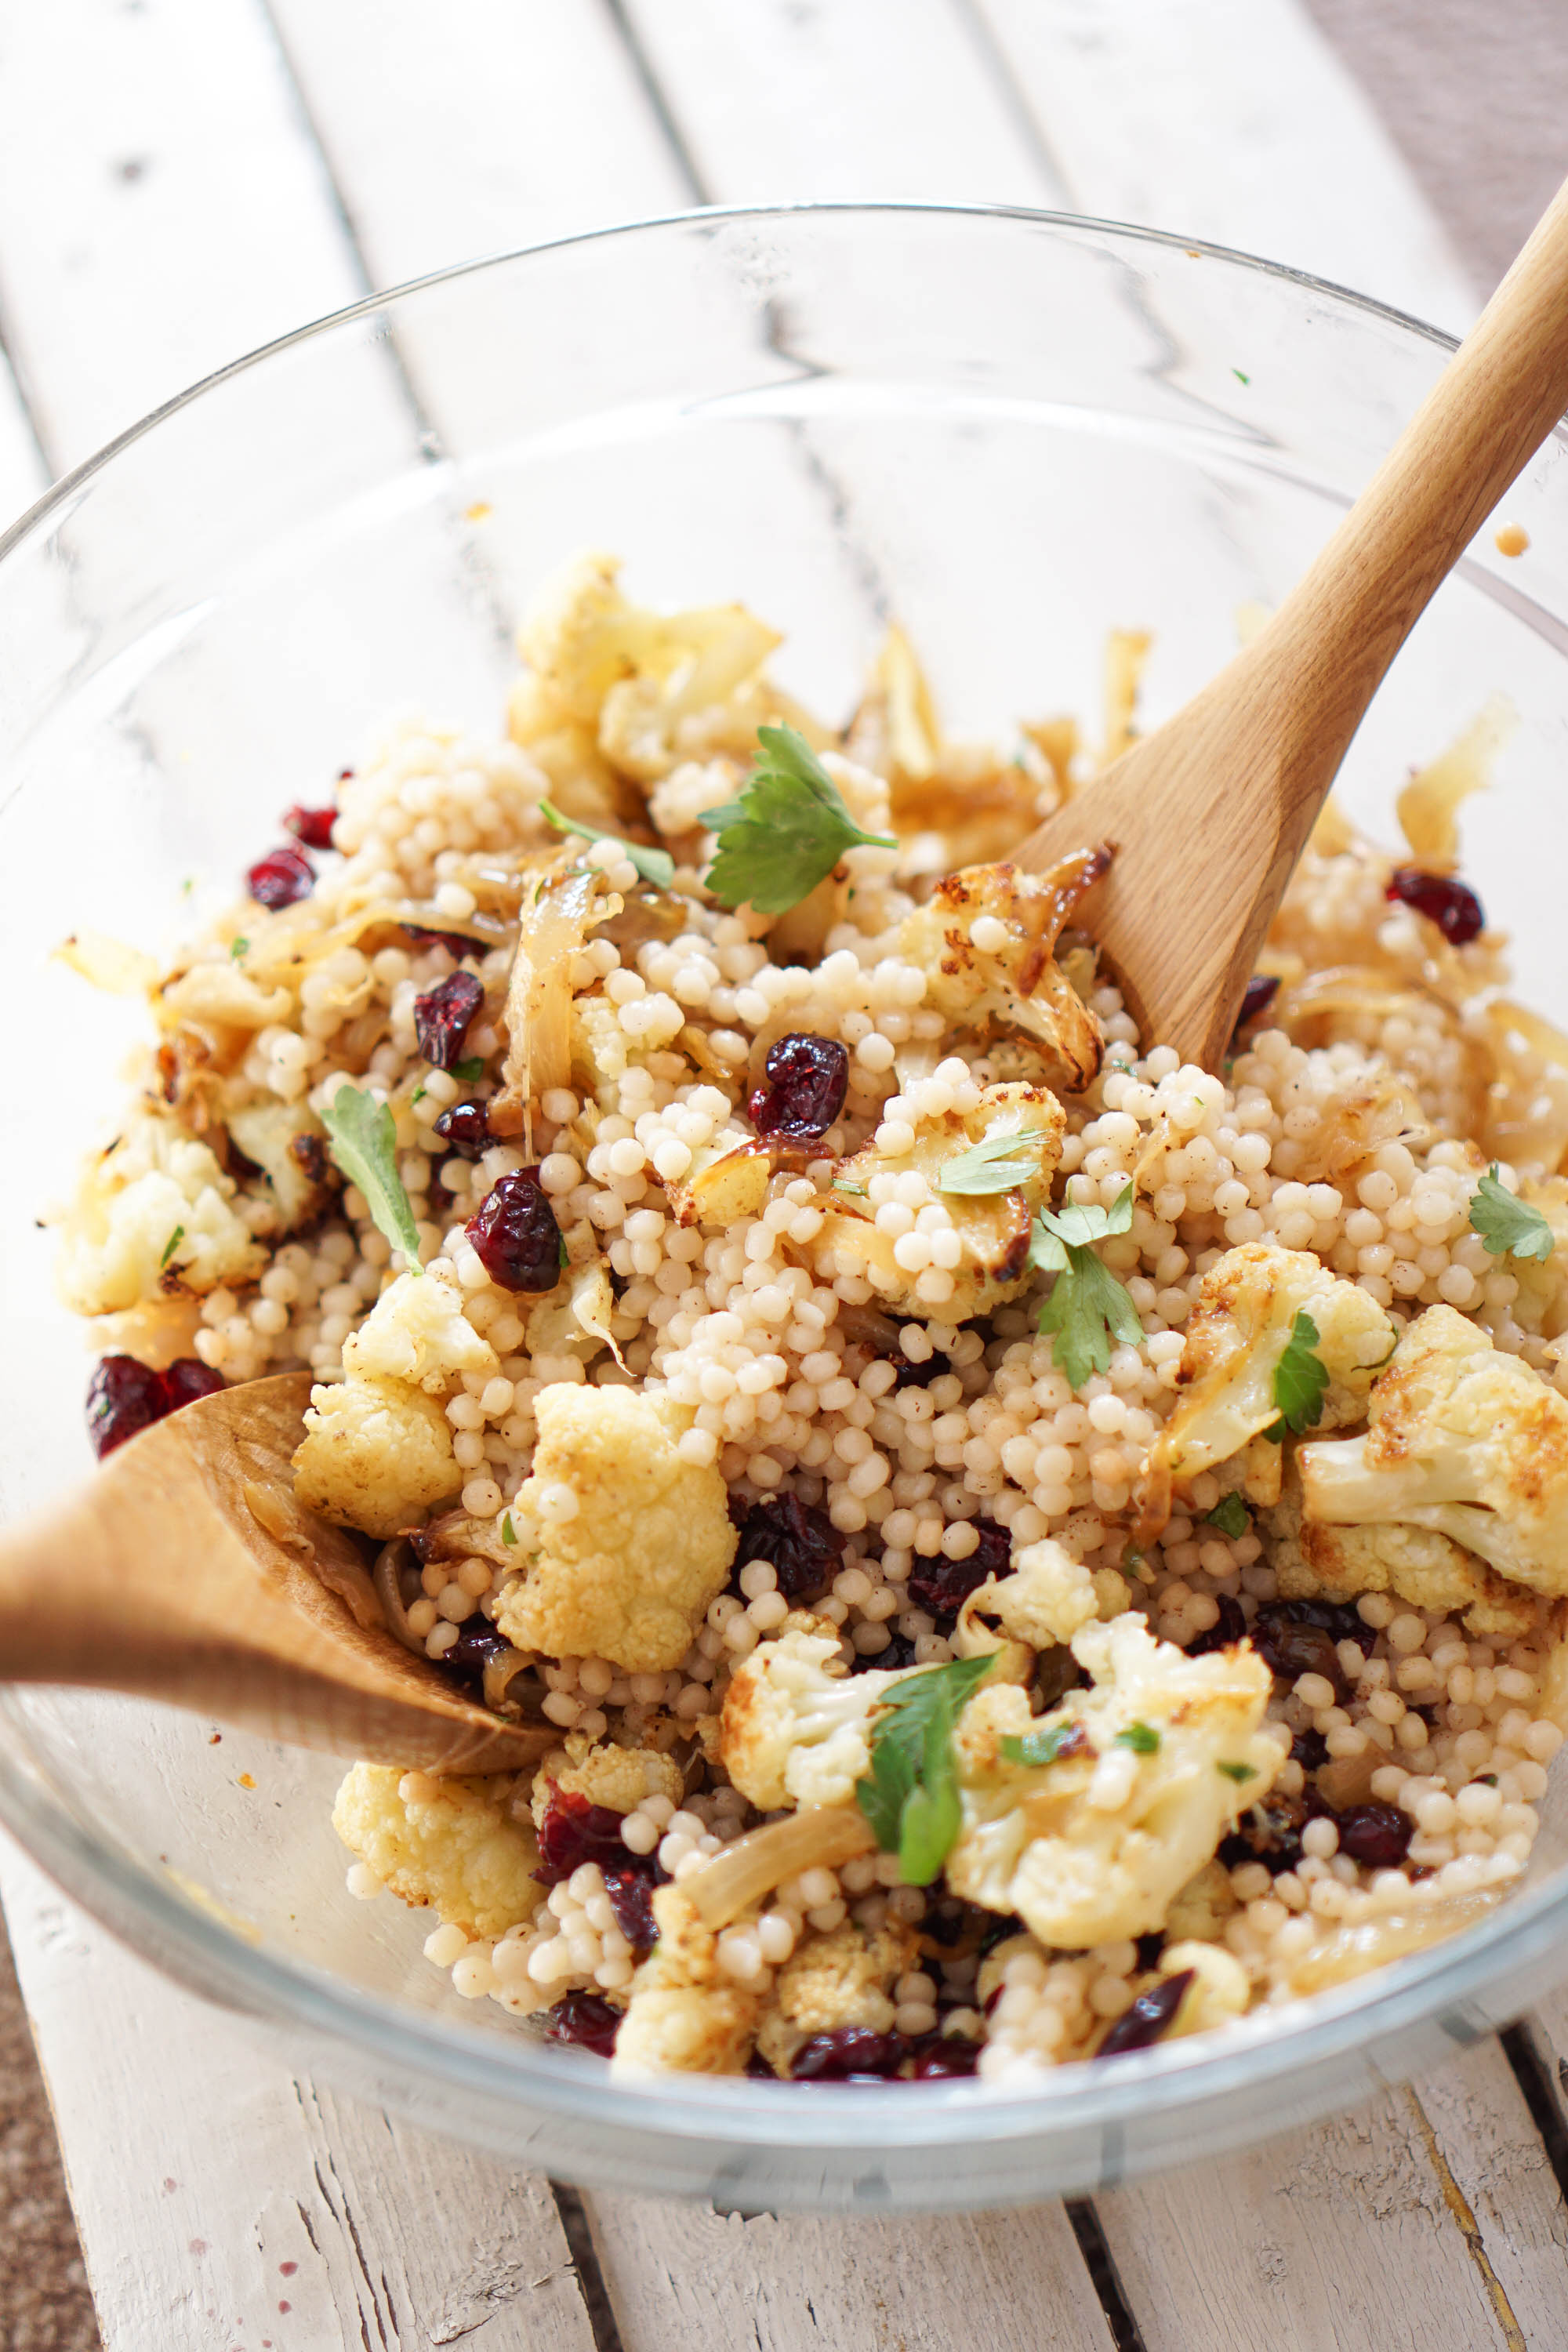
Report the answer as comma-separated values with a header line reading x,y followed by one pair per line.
x,y
684,2017
417,1332
452,1842
992,1228
1045,1599
1220,1989
1338,1564
1097,1846
155,1203
629,1575
1460,1438
792,1731
1014,986
618,1778
376,1454
843,1978
1246,1305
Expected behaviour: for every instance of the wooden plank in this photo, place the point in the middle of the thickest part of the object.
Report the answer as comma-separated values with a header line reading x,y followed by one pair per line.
x,y
1426,2222
781,99
227,2203
1231,120
1014,2281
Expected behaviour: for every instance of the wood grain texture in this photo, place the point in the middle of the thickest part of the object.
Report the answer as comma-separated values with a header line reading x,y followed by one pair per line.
x,y
225,2203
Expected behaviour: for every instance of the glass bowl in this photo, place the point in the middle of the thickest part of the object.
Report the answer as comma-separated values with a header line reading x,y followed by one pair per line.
x,y
1013,431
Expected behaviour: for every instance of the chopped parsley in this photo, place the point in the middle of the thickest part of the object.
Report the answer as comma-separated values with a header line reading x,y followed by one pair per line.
x,y
656,866
1239,377
236,948
1088,1310
910,1794
997,1163
788,831
1508,1226
1237,1772
1142,1737
1043,1747
469,1071
507,1532
361,1136
171,1245
1229,1515
1301,1381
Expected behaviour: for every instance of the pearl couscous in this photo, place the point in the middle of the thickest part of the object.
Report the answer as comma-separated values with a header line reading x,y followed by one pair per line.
x,y
1013,1546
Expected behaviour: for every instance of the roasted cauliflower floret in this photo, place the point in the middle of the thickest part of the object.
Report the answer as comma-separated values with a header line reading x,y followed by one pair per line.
x,y
287,1143
1220,1988
417,1332
792,1731
454,1843
1462,1439
987,1250
376,1454
1010,983
1417,1564
1044,1599
154,1208
1248,1303
629,1575
1098,1845
618,1778
684,2017
571,1324
843,1978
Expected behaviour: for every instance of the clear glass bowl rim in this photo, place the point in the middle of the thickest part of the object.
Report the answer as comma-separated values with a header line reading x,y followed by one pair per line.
x,y
161,1926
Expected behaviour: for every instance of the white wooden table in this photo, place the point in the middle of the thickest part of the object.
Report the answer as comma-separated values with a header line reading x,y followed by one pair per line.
x,y
180,180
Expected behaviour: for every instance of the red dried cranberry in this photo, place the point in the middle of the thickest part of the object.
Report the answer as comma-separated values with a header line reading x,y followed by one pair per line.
x,y
312,826
281,877
758,2070
574,1830
1228,1628
918,1376
465,1130
939,2056
1269,1833
998,1933
1259,995
515,1235
630,1890
309,1154
187,1379
1150,1948
943,1586
1148,2017
586,2021
1301,1637
1377,1835
1443,898
898,1654
441,1018
849,2050
1310,1750
808,1077
457,944
476,1643
122,1397
802,1546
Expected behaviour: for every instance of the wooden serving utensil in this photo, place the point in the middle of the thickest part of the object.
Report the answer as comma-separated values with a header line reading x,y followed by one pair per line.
x,y
186,1570
1209,813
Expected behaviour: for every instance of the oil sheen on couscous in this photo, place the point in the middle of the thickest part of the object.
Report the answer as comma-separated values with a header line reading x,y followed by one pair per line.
x,y
1015,1548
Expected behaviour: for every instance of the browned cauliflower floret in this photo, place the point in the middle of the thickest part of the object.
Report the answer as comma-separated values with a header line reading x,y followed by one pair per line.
x,y
629,1575
684,2017
619,1778
376,1454
417,1332
1462,1439
455,1843
843,1978
795,1728
986,1251
285,1141
154,1208
1005,979
1416,1564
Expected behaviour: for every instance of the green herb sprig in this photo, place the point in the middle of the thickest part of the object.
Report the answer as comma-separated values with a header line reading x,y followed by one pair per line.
x,y
361,1136
1088,1311
171,1245
910,1794
1239,1773
1301,1381
1046,1746
1229,1515
997,1163
656,866
1140,1737
1509,1227
788,831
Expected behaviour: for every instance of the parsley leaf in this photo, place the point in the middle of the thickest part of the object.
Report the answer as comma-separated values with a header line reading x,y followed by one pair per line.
x,y
1508,1226
1237,1772
236,948
910,1794
1088,1311
1300,1381
1142,1737
655,866
1043,1747
171,1245
361,1136
509,1533
1229,1515
472,1070
997,1163
786,832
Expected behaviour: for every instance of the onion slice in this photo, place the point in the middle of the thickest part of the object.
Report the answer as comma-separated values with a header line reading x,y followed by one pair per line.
x,y
817,1836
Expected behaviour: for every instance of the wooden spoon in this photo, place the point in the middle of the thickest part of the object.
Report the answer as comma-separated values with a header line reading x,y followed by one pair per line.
x,y
183,1571
1209,813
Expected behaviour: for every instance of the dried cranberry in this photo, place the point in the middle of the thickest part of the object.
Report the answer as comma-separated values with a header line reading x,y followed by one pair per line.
x,y
630,1889
1150,1948
848,2051
476,1643
918,1376
312,826
122,1397
187,1379
998,1933
281,877
939,2056
1377,1835
808,1077
465,1130
1310,1750
309,1154
801,1545
943,1586
1228,1628
898,1654
441,1017
1270,1833
1443,898
586,2021
1259,995
1148,2017
457,944
574,1830
758,2070
1301,1637
515,1235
